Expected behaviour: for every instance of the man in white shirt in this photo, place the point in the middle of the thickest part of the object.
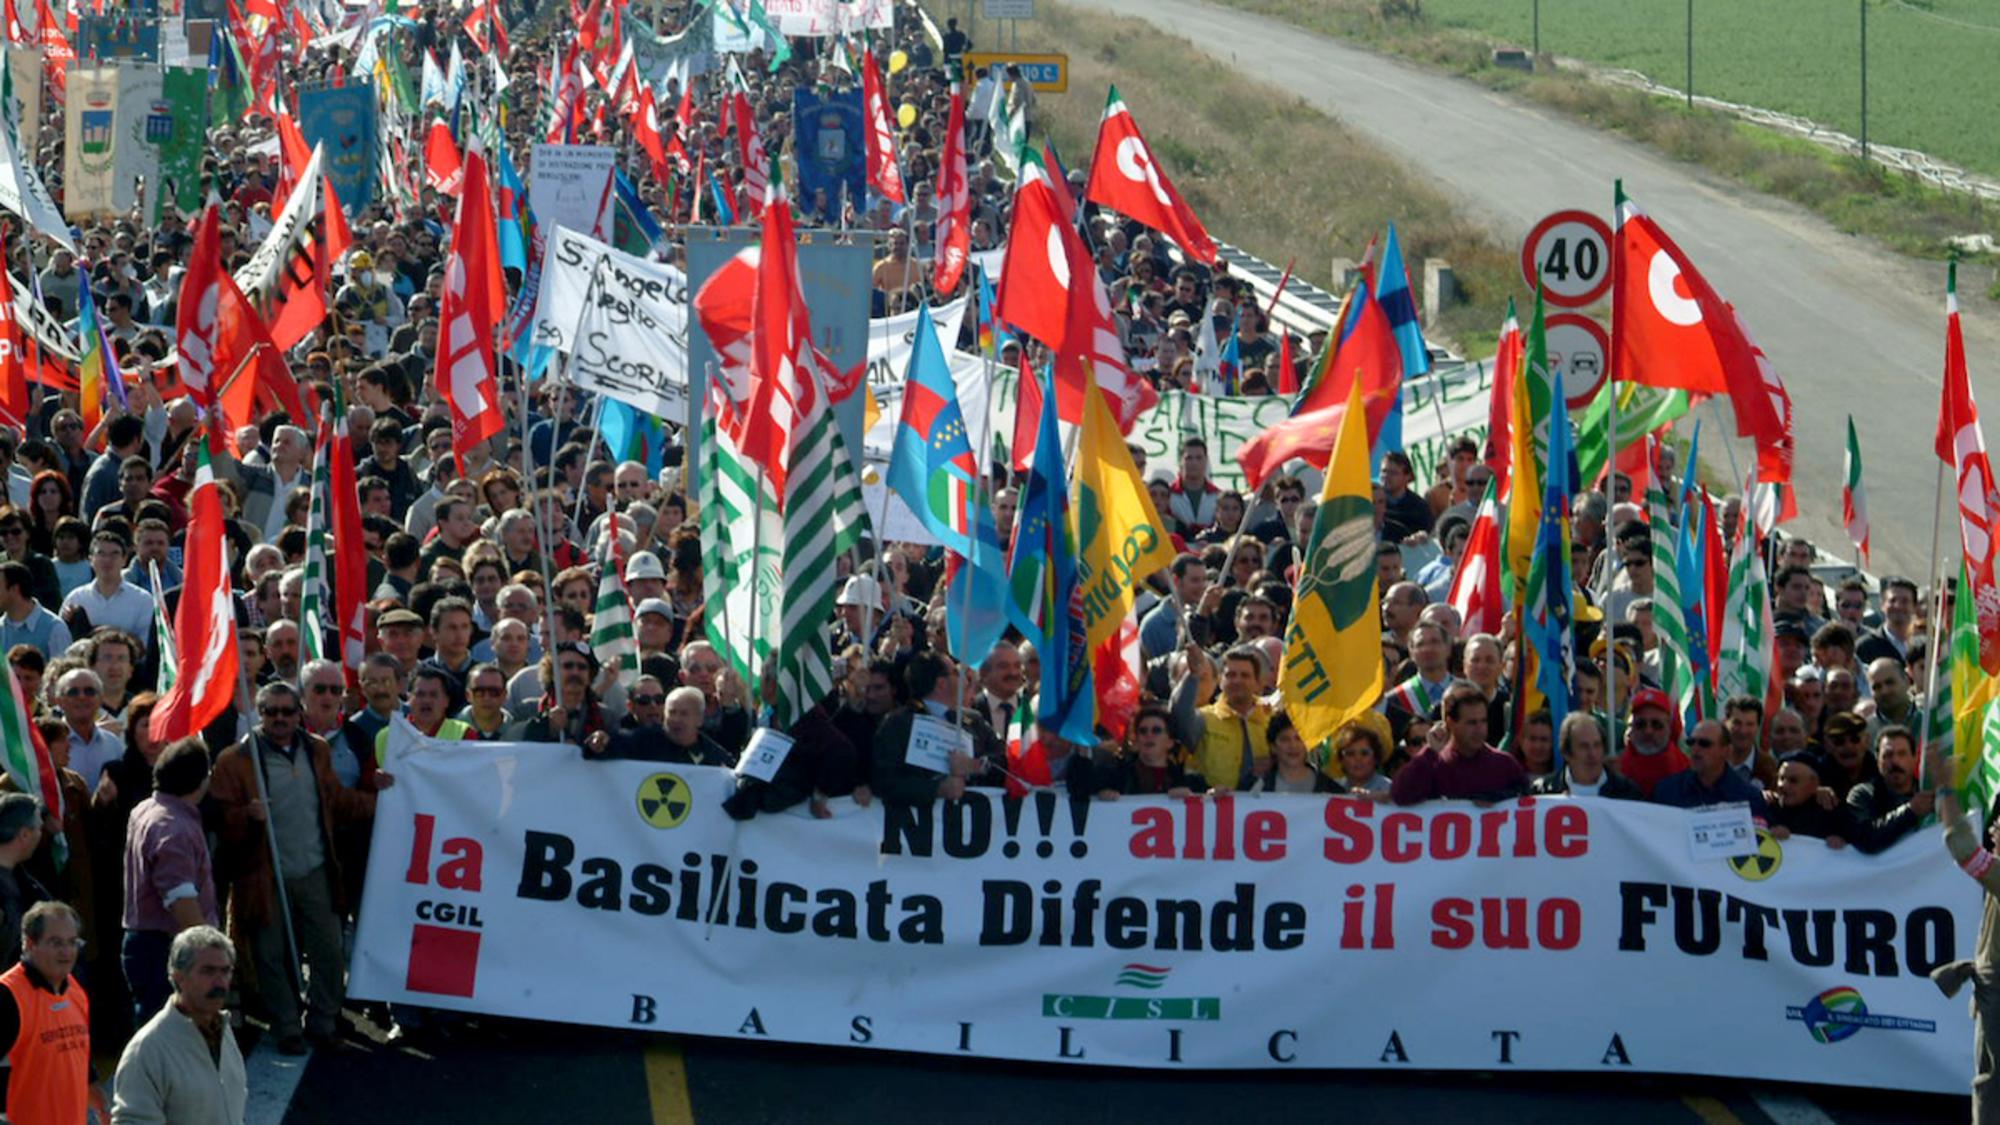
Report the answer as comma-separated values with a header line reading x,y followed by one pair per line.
x,y
79,695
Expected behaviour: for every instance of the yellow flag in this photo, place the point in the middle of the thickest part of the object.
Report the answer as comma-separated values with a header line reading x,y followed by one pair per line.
x,y
1120,537
1333,650
1524,488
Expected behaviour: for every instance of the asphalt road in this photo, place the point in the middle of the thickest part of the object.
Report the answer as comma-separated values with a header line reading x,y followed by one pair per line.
x,y
532,1074
1851,327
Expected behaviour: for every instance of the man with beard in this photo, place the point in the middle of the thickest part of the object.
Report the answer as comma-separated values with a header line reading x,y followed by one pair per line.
x,y
1650,754
1891,806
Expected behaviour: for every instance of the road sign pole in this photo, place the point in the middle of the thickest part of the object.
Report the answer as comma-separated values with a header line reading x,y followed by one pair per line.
x,y
1864,81
1690,49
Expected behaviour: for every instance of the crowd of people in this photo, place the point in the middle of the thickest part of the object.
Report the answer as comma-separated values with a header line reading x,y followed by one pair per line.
x,y
484,576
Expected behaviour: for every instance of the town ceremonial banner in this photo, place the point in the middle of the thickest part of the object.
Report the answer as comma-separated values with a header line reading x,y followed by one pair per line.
x,y
1226,932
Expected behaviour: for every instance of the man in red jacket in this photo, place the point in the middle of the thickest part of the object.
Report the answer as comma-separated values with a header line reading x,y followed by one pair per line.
x,y
1652,750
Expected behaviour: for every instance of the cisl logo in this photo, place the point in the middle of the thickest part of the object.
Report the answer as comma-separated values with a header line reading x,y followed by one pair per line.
x,y
444,937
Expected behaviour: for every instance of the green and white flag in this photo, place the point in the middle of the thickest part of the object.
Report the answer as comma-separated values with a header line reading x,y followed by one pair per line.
x,y
1745,664
824,518
316,595
1669,616
611,635
163,635
739,523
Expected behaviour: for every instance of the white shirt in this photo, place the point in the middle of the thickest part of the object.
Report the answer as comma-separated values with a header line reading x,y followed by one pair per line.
x,y
128,608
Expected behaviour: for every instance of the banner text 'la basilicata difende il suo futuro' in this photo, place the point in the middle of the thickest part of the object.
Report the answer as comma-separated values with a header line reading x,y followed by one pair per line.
x,y
1227,932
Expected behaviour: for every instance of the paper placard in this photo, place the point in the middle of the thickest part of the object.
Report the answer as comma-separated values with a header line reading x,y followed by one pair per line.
x,y
931,742
1721,832
767,751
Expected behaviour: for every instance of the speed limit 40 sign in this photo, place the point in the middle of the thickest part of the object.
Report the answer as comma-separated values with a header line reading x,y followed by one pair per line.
x,y
1570,251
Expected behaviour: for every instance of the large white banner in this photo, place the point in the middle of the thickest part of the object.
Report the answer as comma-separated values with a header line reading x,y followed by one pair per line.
x,y
1225,932
830,17
622,321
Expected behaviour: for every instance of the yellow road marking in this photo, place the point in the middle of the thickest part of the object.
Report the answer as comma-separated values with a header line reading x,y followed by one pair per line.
x,y
1710,1110
667,1085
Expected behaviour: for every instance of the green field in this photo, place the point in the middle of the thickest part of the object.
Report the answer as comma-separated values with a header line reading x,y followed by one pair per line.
x,y
1933,82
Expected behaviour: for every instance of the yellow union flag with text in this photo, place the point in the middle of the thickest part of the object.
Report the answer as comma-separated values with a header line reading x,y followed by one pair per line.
x,y
1333,649
1120,537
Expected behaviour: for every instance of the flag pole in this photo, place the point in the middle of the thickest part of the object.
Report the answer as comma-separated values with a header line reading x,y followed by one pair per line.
x,y
1931,648
271,836
590,451
756,552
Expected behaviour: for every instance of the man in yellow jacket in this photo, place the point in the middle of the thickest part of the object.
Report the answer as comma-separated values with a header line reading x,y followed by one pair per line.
x,y
1230,737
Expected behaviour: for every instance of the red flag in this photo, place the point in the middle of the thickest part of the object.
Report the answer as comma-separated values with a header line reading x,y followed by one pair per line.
x,y
1308,435
1475,589
196,323
646,130
684,112
205,620
590,26
1116,670
468,315
954,205
309,275
1288,367
297,155
350,555
16,33
14,402
1125,177
756,161
885,176
1369,350
1962,445
1669,327
1034,277
778,398
1507,361
444,170
1715,578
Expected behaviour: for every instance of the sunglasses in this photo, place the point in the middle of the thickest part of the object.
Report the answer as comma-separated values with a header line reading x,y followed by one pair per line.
x,y
325,689
492,691
1703,742
81,692
649,700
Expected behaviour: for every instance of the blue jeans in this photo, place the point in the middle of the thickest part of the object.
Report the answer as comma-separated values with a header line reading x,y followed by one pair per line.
x,y
144,956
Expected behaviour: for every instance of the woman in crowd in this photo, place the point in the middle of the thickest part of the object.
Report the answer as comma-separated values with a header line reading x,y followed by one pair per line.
x,y
50,499
1152,763
1290,772
1359,748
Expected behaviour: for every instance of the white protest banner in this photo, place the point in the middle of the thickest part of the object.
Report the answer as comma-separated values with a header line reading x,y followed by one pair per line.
x,y
1229,931
570,185
621,319
34,318
891,338
144,119
23,193
90,141
830,17
24,69
289,233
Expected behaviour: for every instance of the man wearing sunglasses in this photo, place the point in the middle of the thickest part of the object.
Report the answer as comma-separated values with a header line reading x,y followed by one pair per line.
x,y
1708,780
291,809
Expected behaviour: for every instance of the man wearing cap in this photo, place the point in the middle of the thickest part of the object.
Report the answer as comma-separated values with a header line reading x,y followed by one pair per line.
x,y
654,626
402,634
1650,754
1799,811
1708,780
645,578
863,612
1848,762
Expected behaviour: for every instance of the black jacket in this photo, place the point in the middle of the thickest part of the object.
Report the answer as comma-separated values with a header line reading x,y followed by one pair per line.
x,y
1126,775
1615,787
897,780
1810,819
1881,816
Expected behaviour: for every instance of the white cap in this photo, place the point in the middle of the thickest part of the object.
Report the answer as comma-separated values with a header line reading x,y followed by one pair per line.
x,y
645,564
862,590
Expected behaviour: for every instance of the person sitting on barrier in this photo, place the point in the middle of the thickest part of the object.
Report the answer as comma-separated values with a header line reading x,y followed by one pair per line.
x,y
1583,774
1650,754
1891,806
1708,780
1800,811
1153,763
934,690
1458,763
1291,771
1360,747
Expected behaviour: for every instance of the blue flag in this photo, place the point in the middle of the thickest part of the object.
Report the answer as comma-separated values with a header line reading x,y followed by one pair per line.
x,y
1550,591
1042,584
512,203
1399,304
1230,363
632,436
935,471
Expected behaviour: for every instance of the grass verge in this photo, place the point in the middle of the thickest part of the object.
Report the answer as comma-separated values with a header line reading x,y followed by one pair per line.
x,y
1898,210
1263,169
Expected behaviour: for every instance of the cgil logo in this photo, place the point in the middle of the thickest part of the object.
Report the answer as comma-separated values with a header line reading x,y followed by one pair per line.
x,y
1840,1013
444,936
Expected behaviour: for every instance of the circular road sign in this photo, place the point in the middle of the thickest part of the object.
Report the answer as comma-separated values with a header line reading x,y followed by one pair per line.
x,y
1578,349
1571,251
